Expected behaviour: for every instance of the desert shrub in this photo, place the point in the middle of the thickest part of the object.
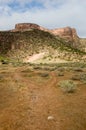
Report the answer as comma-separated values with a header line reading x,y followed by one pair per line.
x,y
61,69
78,69
1,77
4,62
46,68
60,74
83,78
76,77
49,68
53,68
68,86
27,70
80,77
84,81
37,67
43,74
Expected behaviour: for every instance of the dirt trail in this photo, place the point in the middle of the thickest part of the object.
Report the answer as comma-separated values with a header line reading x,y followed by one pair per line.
x,y
42,102
25,104
30,107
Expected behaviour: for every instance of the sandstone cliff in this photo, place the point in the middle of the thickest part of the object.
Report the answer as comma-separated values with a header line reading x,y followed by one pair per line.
x,y
28,26
67,33
25,27
28,39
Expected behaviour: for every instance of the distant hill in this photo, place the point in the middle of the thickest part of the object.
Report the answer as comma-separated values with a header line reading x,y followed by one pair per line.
x,y
29,40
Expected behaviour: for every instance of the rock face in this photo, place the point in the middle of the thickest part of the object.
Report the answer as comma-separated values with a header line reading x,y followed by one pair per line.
x,y
28,26
25,26
27,39
67,33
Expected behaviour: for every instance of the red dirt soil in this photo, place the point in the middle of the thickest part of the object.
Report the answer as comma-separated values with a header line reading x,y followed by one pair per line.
x,y
27,101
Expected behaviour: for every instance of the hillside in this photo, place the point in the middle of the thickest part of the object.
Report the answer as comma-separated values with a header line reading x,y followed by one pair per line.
x,y
42,79
47,47
83,44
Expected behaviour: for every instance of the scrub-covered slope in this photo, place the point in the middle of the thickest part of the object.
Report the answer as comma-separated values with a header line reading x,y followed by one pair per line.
x,y
20,45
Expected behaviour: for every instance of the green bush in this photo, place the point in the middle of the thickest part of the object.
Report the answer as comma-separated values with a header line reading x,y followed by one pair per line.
x,y
68,86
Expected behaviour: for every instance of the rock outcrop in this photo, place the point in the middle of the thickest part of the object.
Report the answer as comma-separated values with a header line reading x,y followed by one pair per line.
x,y
28,39
25,27
28,26
67,33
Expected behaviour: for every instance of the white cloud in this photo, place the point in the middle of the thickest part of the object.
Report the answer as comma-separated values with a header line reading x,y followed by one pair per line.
x,y
57,13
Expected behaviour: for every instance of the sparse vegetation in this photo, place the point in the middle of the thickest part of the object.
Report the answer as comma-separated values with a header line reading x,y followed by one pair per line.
x,y
37,67
83,78
43,74
78,69
76,77
31,88
80,77
67,86
25,89
27,71
60,73
36,41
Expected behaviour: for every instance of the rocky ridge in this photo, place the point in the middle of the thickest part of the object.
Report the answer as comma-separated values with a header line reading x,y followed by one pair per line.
x,y
28,39
66,32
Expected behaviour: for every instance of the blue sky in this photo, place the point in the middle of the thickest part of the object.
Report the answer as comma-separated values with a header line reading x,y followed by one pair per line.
x,y
47,13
